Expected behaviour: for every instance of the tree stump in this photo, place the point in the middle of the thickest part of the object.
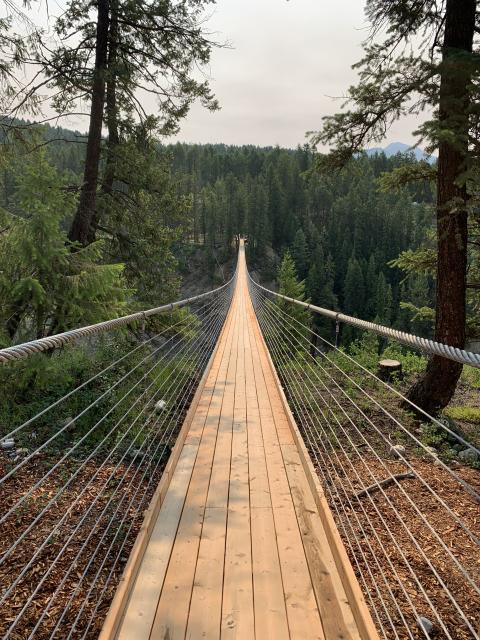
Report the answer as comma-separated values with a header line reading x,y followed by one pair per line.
x,y
389,369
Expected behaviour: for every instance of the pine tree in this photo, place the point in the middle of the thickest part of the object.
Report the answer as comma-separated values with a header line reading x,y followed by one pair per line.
x,y
300,254
354,289
43,286
383,301
289,285
147,45
371,280
394,81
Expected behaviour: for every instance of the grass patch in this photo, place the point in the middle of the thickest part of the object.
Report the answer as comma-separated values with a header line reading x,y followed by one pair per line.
x,y
471,376
465,414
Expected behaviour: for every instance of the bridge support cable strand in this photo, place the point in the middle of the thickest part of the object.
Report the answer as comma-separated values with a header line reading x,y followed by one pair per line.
x,y
42,345
302,387
107,510
425,345
110,456
392,478
91,506
344,519
97,449
127,510
273,320
473,359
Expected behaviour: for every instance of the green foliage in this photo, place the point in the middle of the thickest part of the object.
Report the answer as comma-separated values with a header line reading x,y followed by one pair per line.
x,y
466,414
433,435
142,219
408,174
157,46
367,350
289,285
325,221
300,254
471,376
44,286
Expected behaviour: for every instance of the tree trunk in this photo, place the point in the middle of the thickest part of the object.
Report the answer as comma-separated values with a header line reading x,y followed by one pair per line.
x,y
436,388
81,230
111,103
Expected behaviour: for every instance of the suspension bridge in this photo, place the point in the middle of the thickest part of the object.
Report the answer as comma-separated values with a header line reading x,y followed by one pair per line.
x,y
229,477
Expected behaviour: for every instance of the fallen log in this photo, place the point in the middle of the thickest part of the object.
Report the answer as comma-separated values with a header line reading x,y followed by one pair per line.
x,y
384,483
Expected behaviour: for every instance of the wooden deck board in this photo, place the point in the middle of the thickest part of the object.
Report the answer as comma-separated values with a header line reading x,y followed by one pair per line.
x,y
238,547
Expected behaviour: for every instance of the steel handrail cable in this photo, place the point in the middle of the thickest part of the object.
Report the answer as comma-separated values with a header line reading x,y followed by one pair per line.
x,y
39,549
465,485
424,344
404,398
445,588
74,532
341,407
468,487
184,399
59,492
385,384
26,349
343,522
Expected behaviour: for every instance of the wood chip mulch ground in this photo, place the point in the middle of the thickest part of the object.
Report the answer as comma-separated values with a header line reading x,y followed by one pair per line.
x,y
91,565
399,562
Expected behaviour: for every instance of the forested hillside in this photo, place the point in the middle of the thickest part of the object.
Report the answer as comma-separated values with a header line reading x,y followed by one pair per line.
x,y
343,231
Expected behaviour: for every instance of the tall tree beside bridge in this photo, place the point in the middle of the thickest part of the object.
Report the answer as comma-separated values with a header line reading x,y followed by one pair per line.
x,y
113,53
440,76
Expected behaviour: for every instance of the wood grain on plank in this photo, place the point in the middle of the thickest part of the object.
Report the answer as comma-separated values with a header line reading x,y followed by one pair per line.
x,y
242,546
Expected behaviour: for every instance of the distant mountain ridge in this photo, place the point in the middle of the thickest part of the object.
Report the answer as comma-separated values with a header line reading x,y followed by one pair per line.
x,y
400,147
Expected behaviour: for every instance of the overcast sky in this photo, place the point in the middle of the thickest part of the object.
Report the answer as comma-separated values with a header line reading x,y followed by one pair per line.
x,y
289,63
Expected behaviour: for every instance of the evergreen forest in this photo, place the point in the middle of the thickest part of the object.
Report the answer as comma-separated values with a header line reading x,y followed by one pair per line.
x,y
352,240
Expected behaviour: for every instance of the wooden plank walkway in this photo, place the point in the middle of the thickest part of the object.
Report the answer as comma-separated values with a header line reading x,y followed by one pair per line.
x,y
240,542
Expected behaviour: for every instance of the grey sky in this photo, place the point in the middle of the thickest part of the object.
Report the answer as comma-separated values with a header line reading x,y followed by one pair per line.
x,y
289,65
288,61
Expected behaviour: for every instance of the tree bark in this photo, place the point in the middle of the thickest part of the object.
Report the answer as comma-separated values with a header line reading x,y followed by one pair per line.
x,y
111,103
81,230
436,388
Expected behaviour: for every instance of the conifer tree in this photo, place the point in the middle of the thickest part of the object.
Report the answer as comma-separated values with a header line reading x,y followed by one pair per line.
x,y
300,254
126,47
43,286
395,81
289,285
354,289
